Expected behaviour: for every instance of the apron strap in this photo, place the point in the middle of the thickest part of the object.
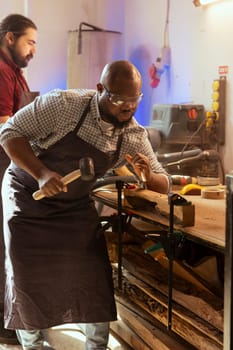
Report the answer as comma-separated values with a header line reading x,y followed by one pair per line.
x,y
116,154
83,116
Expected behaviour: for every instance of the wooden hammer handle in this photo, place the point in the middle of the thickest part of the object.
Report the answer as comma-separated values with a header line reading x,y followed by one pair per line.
x,y
66,180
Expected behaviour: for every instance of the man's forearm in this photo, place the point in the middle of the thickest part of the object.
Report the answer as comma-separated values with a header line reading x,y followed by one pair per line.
x,y
20,152
158,183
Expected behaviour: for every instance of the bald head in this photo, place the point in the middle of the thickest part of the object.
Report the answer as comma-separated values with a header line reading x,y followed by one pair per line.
x,y
119,92
118,72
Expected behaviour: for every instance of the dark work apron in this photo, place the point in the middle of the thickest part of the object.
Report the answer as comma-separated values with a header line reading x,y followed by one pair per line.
x,y
57,264
26,97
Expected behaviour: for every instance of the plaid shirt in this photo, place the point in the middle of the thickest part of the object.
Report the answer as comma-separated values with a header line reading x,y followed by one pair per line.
x,y
51,116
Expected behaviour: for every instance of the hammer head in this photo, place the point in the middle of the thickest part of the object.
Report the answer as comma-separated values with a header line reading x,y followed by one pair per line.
x,y
86,167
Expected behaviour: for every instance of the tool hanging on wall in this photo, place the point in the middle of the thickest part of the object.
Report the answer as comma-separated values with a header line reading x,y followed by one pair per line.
x,y
162,63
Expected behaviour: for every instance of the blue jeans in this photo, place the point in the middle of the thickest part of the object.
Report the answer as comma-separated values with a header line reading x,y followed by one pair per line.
x,y
96,337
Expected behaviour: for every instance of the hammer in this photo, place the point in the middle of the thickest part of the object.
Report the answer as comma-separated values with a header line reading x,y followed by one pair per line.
x,y
85,171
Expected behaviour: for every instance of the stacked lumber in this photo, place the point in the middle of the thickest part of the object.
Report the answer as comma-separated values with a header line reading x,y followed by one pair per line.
x,y
197,312
141,332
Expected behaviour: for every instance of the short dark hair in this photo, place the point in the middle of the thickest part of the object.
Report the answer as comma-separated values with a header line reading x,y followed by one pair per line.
x,y
16,24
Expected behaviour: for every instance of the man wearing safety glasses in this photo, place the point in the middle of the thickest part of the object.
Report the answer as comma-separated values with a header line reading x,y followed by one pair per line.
x,y
118,97
63,274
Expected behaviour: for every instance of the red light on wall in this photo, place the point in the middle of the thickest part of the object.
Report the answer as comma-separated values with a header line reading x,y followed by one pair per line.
x,y
192,114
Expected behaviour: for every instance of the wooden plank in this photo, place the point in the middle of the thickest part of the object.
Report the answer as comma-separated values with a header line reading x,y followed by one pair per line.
x,y
137,198
210,222
201,303
153,337
190,328
181,271
128,335
202,281
186,315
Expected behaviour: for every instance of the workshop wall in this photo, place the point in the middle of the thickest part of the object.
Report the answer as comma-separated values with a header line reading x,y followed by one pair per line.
x,y
200,42
213,30
54,20
199,38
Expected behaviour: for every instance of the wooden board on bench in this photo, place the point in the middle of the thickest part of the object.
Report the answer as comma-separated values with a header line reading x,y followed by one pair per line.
x,y
140,198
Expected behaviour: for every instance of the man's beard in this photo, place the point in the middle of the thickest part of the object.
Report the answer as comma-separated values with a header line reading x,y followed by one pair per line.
x,y
109,118
22,62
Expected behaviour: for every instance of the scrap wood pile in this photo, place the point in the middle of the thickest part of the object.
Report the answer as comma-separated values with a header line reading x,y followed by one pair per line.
x,y
197,311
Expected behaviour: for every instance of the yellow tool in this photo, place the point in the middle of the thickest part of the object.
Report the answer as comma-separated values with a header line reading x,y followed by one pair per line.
x,y
191,189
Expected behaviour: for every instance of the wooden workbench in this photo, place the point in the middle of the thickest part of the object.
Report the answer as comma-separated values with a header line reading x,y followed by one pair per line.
x,y
209,228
